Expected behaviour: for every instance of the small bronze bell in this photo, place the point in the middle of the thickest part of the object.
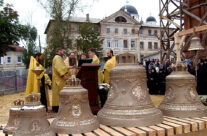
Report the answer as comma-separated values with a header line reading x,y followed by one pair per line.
x,y
14,115
128,103
74,115
33,121
195,44
181,98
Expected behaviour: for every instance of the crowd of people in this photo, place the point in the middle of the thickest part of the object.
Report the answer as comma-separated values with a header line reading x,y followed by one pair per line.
x,y
156,74
201,77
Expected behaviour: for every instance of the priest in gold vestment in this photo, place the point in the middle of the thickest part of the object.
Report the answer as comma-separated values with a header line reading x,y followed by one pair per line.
x,y
110,63
45,81
59,77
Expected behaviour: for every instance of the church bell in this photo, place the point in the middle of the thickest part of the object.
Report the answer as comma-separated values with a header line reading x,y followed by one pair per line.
x,y
74,115
14,115
33,121
128,103
181,98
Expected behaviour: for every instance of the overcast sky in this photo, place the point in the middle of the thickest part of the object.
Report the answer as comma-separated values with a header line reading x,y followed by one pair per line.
x,y
30,11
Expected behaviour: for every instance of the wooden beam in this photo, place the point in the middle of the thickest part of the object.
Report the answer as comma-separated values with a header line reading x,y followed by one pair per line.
x,y
193,16
178,26
192,30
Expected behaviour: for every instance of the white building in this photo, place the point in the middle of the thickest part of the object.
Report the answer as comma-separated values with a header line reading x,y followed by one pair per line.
x,y
13,59
122,32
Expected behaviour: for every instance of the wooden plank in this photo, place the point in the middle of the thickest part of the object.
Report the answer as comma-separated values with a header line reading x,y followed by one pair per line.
x,y
169,130
194,125
202,119
191,30
101,132
138,131
110,131
89,134
186,127
76,135
200,123
150,131
178,128
64,135
124,131
159,131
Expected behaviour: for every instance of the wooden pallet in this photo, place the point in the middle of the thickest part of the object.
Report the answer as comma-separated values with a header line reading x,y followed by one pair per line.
x,y
169,127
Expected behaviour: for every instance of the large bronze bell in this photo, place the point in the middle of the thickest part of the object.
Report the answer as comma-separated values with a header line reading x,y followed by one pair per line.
x,y
181,98
74,115
33,121
128,103
14,116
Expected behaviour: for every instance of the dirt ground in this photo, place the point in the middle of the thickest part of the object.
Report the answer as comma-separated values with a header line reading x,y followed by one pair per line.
x,y
6,102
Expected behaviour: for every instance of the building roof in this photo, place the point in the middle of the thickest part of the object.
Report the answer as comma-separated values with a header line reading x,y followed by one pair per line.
x,y
129,9
76,20
16,48
150,25
124,14
151,19
83,19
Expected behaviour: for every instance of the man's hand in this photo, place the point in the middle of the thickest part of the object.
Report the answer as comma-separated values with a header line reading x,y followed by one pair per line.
x,y
65,78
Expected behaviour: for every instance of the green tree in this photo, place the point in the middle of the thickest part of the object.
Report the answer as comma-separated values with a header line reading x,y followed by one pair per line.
x,y
30,48
10,30
89,38
60,12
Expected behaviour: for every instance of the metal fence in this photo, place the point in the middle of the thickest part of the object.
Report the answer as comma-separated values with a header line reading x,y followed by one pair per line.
x,y
13,81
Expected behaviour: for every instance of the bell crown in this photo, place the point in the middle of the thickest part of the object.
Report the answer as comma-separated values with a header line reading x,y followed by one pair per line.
x,y
18,102
73,82
33,99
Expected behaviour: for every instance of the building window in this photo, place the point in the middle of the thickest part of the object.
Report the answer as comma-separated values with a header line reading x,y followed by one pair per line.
x,y
8,61
125,31
155,45
116,30
141,31
149,32
78,28
125,44
96,28
132,44
116,44
142,45
133,31
1,60
149,45
155,32
120,19
107,30
108,43
19,59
